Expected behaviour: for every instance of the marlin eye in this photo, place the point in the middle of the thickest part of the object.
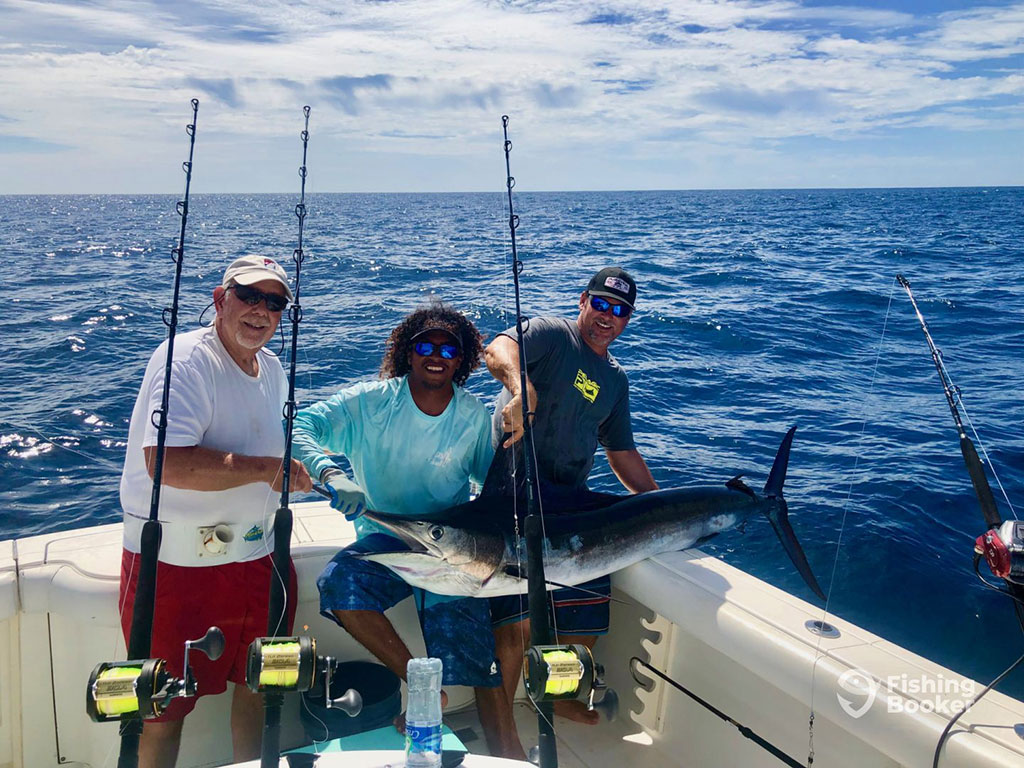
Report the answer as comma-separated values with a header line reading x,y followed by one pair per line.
x,y
437,533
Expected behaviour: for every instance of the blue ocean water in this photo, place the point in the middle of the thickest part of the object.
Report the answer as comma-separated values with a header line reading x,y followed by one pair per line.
x,y
757,310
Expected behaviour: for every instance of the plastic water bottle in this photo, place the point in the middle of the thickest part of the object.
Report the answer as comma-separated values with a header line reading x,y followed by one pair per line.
x,y
423,715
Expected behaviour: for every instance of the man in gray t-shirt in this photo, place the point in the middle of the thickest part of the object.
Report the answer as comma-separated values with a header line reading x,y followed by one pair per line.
x,y
585,400
579,396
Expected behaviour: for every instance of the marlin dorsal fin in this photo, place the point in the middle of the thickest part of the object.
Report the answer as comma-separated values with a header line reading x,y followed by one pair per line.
x,y
506,475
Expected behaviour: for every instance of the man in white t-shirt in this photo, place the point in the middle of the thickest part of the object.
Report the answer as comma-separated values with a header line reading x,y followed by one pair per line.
x,y
221,479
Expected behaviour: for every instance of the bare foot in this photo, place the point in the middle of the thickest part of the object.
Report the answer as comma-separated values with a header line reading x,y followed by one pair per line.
x,y
576,711
399,721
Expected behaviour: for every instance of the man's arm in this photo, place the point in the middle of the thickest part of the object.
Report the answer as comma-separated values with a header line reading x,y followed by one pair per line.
x,y
197,468
321,430
502,358
631,469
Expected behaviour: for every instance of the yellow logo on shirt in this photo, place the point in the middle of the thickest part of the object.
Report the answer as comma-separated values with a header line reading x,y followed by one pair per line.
x,y
587,388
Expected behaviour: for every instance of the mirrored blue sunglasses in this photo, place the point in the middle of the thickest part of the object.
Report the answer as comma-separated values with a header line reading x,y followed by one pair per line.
x,y
603,305
426,348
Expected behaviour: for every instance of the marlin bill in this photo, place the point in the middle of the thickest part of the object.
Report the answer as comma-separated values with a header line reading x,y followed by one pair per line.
x,y
474,549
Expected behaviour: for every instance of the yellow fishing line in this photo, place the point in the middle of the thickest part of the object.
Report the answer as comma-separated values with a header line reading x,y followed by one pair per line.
x,y
280,667
114,691
564,672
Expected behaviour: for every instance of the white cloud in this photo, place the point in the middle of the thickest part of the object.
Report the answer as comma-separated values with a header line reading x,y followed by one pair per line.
x,y
421,79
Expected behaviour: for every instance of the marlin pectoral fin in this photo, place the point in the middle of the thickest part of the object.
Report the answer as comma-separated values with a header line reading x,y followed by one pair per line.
x,y
780,522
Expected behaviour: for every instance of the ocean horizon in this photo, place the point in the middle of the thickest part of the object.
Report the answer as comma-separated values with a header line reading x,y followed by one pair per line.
x,y
518,190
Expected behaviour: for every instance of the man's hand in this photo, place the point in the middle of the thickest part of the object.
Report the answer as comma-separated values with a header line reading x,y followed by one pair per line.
x,y
300,481
502,358
512,414
346,497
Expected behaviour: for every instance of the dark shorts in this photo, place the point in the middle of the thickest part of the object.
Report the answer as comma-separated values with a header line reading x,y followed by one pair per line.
x,y
234,597
576,612
456,631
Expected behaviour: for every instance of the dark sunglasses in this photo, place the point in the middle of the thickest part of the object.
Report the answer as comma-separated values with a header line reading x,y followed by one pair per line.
x,y
426,348
253,296
603,305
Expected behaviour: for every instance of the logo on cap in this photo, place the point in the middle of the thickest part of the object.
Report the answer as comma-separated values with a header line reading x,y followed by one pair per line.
x,y
616,284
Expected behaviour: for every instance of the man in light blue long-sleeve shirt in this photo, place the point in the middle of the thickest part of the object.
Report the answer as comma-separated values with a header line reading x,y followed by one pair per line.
x,y
415,439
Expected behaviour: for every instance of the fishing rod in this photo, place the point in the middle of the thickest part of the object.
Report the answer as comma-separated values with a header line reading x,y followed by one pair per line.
x,y
974,465
1002,545
540,629
141,632
273,700
277,664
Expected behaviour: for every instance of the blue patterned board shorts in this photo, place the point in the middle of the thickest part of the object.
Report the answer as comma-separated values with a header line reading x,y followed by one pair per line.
x,y
576,612
457,631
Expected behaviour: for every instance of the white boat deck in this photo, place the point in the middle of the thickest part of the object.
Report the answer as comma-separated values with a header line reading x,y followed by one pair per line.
x,y
735,641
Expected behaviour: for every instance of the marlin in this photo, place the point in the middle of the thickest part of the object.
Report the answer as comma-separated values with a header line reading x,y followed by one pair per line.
x,y
474,549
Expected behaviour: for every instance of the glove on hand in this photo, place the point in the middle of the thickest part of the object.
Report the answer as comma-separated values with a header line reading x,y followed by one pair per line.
x,y
346,497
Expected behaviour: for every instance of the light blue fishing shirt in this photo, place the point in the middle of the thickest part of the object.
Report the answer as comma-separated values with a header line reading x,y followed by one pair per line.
x,y
406,462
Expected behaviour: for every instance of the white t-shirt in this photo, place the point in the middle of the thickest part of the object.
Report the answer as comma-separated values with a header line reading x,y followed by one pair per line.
x,y
213,403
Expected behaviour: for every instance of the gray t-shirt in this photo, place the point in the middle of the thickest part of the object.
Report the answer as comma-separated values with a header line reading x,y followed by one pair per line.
x,y
583,400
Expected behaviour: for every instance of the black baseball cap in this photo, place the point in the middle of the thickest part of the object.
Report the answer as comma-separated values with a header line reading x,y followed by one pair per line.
x,y
614,283
452,331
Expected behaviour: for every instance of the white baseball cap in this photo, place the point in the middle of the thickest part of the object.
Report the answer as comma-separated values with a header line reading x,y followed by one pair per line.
x,y
252,269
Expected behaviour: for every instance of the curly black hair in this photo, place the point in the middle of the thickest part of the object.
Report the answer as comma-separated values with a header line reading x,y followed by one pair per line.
x,y
437,315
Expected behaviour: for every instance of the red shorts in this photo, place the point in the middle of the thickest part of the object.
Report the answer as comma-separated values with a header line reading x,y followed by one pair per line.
x,y
234,597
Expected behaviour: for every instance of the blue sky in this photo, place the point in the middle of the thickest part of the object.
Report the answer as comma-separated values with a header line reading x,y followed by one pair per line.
x,y
407,94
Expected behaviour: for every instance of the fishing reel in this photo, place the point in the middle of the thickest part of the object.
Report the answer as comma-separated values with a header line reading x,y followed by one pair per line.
x,y
291,665
558,672
144,687
1003,550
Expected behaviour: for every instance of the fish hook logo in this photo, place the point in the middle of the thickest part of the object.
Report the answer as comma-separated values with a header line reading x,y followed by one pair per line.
x,y
863,688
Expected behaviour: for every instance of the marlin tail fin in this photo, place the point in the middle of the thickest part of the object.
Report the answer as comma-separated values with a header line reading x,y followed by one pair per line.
x,y
779,518
777,477
779,514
